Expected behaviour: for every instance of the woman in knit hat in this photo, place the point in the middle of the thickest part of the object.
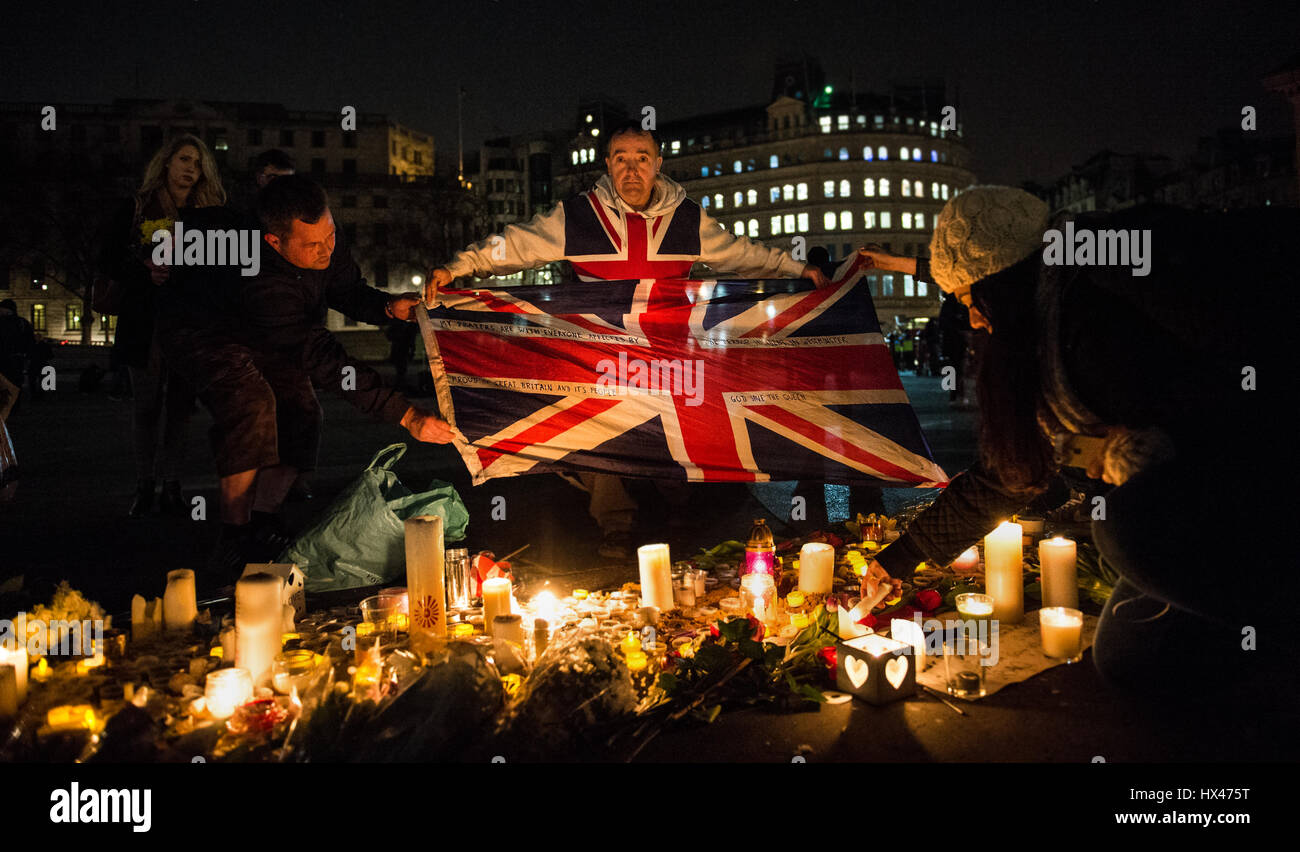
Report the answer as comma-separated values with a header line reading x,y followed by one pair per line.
x,y
1154,376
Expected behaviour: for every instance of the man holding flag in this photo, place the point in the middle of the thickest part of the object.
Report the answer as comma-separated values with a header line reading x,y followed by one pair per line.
x,y
634,224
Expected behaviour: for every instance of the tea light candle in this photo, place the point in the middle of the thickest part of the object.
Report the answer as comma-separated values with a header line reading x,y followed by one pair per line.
x,y
816,567
496,601
637,661
179,603
462,630
1062,632
1058,558
17,657
71,717
257,625
1003,572
226,689
630,644
656,576
425,582
974,606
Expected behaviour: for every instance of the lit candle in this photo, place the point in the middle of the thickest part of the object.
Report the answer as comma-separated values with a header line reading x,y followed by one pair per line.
x,y
71,717
1062,632
425,582
226,689
179,603
17,657
42,671
656,576
141,623
637,661
1058,558
8,691
1003,572
816,567
971,605
509,627
630,644
257,625
496,601
969,560
462,631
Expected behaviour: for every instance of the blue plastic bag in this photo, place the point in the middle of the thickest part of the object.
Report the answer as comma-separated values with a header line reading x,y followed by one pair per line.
x,y
360,540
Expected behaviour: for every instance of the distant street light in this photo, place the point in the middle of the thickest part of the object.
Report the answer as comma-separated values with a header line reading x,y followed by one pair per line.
x,y
417,280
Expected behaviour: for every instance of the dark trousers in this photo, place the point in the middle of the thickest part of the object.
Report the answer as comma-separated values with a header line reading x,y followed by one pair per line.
x,y
1190,540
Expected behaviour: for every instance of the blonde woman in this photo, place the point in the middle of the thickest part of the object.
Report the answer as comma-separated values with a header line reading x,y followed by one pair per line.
x,y
182,174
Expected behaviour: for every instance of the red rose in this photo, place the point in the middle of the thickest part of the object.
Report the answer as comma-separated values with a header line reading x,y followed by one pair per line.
x,y
756,629
833,540
867,620
714,631
929,600
829,656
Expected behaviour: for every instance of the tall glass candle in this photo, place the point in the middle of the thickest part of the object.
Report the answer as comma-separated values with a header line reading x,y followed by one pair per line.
x,y
496,601
1004,572
425,587
816,568
656,576
1058,558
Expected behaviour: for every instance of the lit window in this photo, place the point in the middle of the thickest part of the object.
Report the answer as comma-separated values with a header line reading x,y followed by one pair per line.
x,y
945,192
884,219
753,229
846,220
776,225
828,221
907,188
920,288
934,189
704,202
802,194
704,171
911,122
882,153
739,228
825,122
907,220
583,155
72,321
774,194
737,167
575,158
589,119
884,187
934,156
920,189
920,220
717,201
773,161
943,158
869,220
879,121
887,285
717,168
867,153
788,222
909,286
844,153
803,222
787,192
869,187
916,154
591,154
902,153
842,123
677,145
844,189
739,198
934,128
828,189
862,119
752,196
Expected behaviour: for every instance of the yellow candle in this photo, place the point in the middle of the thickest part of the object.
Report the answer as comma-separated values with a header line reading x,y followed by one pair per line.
x,y
656,576
580,594
496,601
1003,572
1062,632
637,661
71,717
816,567
463,630
42,671
630,644
1058,558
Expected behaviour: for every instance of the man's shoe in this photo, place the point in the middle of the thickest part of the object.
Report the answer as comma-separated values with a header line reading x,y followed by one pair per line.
x,y
143,499
171,501
616,546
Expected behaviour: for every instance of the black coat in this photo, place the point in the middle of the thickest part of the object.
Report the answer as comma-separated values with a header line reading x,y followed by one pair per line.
x,y
120,258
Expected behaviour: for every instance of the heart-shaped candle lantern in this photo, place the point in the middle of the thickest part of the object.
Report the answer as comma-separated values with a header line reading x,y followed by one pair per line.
x,y
875,668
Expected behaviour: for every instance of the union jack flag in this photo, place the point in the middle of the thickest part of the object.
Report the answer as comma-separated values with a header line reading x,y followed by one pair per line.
x,y
704,381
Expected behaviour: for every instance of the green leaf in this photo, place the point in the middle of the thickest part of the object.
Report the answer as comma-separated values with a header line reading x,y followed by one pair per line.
x,y
735,629
667,682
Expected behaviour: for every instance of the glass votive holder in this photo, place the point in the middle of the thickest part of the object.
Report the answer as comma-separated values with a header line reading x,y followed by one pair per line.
x,y
975,607
292,669
225,690
684,589
731,607
963,664
1061,629
385,613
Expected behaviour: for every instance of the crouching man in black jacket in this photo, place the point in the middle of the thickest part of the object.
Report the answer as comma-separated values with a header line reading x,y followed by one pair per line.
x,y
283,310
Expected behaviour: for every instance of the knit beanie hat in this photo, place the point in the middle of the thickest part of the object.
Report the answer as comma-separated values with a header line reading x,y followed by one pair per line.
x,y
982,231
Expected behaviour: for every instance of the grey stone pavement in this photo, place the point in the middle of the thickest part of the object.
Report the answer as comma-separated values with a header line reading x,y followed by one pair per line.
x,y
69,522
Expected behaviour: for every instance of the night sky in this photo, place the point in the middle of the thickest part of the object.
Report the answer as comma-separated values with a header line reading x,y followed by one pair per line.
x,y
1043,85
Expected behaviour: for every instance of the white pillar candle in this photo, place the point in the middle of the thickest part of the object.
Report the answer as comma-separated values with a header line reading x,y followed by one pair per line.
x,y
179,603
1003,572
426,589
1058,558
911,633
816,568
8,691
228,645
16,656
496,601
257,625
141,622
656,576
1062,632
